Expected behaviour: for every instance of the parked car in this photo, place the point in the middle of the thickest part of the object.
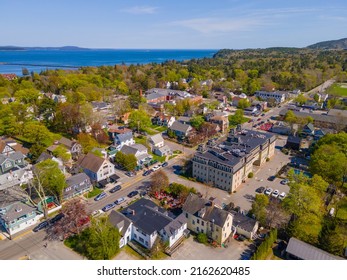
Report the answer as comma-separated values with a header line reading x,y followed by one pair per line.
x,y
260,190
155,168
100,196
241,238
130,173
263,114
268,191
96,213
116,188
165,163
120,200
146,173
282,196
258,119
56,218
271,178
40,226
284,182
108,207
275,193
132,194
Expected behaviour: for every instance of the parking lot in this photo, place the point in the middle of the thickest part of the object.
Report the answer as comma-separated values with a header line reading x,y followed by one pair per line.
x,y
192,250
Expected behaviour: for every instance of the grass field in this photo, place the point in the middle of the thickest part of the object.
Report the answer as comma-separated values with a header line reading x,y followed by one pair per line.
x,y
93,193
338,89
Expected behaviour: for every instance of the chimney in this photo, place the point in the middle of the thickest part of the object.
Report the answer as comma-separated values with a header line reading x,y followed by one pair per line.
x,y
133,212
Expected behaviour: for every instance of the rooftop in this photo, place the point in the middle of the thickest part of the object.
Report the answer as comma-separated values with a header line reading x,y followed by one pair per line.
x,y
147,216
91,162
306,251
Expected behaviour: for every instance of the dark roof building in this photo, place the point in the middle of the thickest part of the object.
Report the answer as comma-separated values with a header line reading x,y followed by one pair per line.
x,y
227,164
304,251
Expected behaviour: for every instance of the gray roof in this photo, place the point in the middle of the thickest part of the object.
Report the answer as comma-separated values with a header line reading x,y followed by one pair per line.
x,y
17,210
91,162
175,224
154,95
306,251
139,147
147,216
44,156
124,137
196,205
128,150
16,156
309,126
332,119
184,119
178,126
337,113
156,139
243,222
76,179
193,204
237,147
66,142
164,149
120,221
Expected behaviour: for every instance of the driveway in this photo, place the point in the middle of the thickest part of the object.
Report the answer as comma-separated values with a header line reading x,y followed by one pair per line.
x,y
192,250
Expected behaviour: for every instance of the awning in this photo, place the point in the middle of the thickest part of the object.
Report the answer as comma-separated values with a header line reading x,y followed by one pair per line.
x,y
114,178
103,183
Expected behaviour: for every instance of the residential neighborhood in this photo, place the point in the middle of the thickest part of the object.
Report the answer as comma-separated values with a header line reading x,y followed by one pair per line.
x,y
185,168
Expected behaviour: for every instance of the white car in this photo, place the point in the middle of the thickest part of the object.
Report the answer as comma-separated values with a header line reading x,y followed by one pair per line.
x,y
268,191
155,168
275,193
282,195
97,213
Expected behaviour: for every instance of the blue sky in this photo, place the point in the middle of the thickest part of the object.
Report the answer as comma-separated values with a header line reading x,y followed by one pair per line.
x,y
171,24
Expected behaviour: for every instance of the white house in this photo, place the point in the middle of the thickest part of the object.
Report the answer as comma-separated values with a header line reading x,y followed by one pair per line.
x,y
95,167
123,139
265,95
157,141
124,226
147,222
138,150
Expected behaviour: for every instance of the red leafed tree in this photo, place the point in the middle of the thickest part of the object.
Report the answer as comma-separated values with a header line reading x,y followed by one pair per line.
x,y
74,221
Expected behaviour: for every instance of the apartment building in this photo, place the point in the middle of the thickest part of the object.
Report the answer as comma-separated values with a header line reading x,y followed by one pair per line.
x,y
226,165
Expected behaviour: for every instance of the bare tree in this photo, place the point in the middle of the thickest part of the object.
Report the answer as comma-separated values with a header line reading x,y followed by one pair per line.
x,y
276,217
159,181
74,221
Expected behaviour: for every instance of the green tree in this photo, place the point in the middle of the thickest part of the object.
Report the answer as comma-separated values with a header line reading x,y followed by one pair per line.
x,y
329,239
128,162
103,241
197,121
37,133
202,238
63,153
139,120
87,142
51,177
243,103
324,162
259,208
237,118
300,99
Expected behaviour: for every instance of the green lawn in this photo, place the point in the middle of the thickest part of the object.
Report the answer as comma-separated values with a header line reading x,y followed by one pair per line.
x,y
342,209
173,156
338,89
141,140
158,158
93,193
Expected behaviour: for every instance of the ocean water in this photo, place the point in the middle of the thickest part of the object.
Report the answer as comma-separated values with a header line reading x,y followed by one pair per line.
x,y
38,60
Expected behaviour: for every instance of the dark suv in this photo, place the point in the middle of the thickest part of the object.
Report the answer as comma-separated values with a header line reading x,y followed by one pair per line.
x,y
56,218
133,193
116,188
40,226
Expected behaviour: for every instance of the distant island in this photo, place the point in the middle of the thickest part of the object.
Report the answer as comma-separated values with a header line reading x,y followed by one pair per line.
x,y
332,44
64,48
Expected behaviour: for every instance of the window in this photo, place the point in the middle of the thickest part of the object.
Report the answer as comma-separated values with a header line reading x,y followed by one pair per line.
x,y
8,164
135,235
141,240
198,221
193,222
187,215
202,223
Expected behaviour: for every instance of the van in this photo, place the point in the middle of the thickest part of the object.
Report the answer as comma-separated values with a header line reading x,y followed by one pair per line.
x,y
120,200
